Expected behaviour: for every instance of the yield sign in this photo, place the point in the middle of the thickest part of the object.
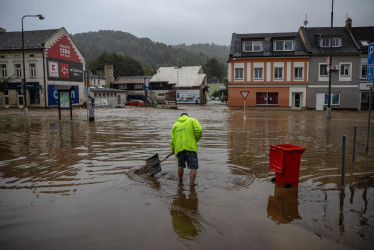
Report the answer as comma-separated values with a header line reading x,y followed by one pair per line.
x,y
244,94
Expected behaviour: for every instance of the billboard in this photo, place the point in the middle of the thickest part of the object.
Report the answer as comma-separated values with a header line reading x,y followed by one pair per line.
x,y
63,62
53,95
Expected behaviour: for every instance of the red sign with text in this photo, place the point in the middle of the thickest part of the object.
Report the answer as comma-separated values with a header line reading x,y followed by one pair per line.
x,y
64,50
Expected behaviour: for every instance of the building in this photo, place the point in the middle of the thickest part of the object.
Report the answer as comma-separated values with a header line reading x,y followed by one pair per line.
x,y
363,37
189,82
272,67
51,59
108,97
345,67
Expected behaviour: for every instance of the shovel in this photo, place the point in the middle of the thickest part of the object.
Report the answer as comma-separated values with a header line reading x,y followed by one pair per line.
x,y
152,166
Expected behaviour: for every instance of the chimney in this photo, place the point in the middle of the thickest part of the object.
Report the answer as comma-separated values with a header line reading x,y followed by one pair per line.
x,y
108,74
348,24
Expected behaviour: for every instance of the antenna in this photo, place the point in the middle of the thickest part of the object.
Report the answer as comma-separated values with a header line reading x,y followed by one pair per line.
x,y
306,20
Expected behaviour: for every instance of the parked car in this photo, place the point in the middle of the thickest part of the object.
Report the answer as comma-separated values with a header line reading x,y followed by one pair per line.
x,y
134,102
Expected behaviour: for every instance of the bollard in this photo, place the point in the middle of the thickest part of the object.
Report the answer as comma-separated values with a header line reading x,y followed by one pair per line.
x,y
343,164
354,146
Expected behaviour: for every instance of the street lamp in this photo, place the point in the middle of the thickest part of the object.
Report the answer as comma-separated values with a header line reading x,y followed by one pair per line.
x,y
23,60
176,96
328,110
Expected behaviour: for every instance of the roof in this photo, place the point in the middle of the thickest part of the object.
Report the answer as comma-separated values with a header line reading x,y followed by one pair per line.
x,y
189,76
95,89
313,35
363,34
130,79
33,39
267,38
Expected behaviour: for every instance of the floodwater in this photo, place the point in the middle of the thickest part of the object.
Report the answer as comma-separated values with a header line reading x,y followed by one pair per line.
x,y
68,185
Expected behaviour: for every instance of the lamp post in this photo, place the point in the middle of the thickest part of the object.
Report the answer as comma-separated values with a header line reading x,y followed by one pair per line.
x,y
24,86
176,96
328,110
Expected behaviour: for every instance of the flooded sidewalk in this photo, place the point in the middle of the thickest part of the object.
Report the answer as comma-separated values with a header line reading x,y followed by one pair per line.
x,y
67,184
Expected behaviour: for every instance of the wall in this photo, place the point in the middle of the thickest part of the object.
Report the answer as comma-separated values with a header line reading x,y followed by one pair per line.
x,y
347,87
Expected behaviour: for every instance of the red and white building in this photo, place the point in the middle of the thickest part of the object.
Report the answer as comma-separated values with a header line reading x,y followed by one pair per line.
x,y
51,59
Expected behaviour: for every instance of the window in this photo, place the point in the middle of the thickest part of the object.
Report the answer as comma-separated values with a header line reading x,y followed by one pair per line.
x,y
325,42
239,73
266,98
3,71
299,73
345,69
336,42
335,98
323,70
364,69
364,43
278,73
283,45
138,86
258,73
32,70
252,46
18,71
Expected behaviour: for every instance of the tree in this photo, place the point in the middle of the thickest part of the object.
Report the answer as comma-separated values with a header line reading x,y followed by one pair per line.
x,y
122,65
213,68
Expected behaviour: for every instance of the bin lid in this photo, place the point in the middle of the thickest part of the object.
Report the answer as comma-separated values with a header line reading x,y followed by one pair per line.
x,y
289,147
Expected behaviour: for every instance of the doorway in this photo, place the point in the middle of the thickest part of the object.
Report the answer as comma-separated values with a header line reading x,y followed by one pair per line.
x,y
20,99
320,101
6,99
296,100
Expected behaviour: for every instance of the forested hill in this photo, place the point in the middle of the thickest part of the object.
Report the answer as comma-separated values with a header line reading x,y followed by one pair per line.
x,y
92,44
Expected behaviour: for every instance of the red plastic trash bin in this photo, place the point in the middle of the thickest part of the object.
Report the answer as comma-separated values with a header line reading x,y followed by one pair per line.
x,y
285,162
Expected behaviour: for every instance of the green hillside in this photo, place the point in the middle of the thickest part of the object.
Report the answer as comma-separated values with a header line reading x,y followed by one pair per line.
x,y
93,44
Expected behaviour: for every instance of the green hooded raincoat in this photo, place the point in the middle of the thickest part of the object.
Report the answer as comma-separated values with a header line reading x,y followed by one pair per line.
x,y
185,134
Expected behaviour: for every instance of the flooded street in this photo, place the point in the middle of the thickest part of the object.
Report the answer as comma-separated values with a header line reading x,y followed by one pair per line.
x,y
68,185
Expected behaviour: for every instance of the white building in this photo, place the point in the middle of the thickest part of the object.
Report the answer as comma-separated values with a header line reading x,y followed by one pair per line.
x,y
189,82
51,59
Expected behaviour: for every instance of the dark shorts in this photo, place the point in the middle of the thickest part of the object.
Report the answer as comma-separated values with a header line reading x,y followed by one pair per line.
x,y
188,157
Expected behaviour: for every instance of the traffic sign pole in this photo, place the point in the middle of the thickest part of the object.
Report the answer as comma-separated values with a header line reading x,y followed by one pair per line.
x,y
370,78
244,95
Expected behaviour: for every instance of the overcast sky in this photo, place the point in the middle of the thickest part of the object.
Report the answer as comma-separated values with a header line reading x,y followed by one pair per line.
x,y
183,21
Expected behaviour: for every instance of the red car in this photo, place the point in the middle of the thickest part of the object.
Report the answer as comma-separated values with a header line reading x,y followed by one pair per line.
x,y
134,103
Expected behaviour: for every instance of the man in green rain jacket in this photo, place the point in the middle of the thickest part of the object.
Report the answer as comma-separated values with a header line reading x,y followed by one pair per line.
x,y
185,134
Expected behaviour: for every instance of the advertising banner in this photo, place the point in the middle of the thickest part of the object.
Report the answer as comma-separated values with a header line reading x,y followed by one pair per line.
x,y
53,95
63,62
60,70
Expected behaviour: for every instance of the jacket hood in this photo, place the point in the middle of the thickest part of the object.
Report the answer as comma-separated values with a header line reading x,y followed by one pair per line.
x,y
182,118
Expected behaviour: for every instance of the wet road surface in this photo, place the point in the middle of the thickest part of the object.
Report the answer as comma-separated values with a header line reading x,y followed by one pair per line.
x,y
69,185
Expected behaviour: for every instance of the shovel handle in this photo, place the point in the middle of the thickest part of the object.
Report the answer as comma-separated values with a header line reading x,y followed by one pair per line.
x,y
166,157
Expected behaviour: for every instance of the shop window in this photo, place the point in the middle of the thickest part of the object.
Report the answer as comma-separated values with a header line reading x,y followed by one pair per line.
x,y
266,98
335,98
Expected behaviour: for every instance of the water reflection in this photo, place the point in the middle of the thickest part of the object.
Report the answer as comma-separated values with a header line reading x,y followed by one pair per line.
x,y
283,206
48,161
184,212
